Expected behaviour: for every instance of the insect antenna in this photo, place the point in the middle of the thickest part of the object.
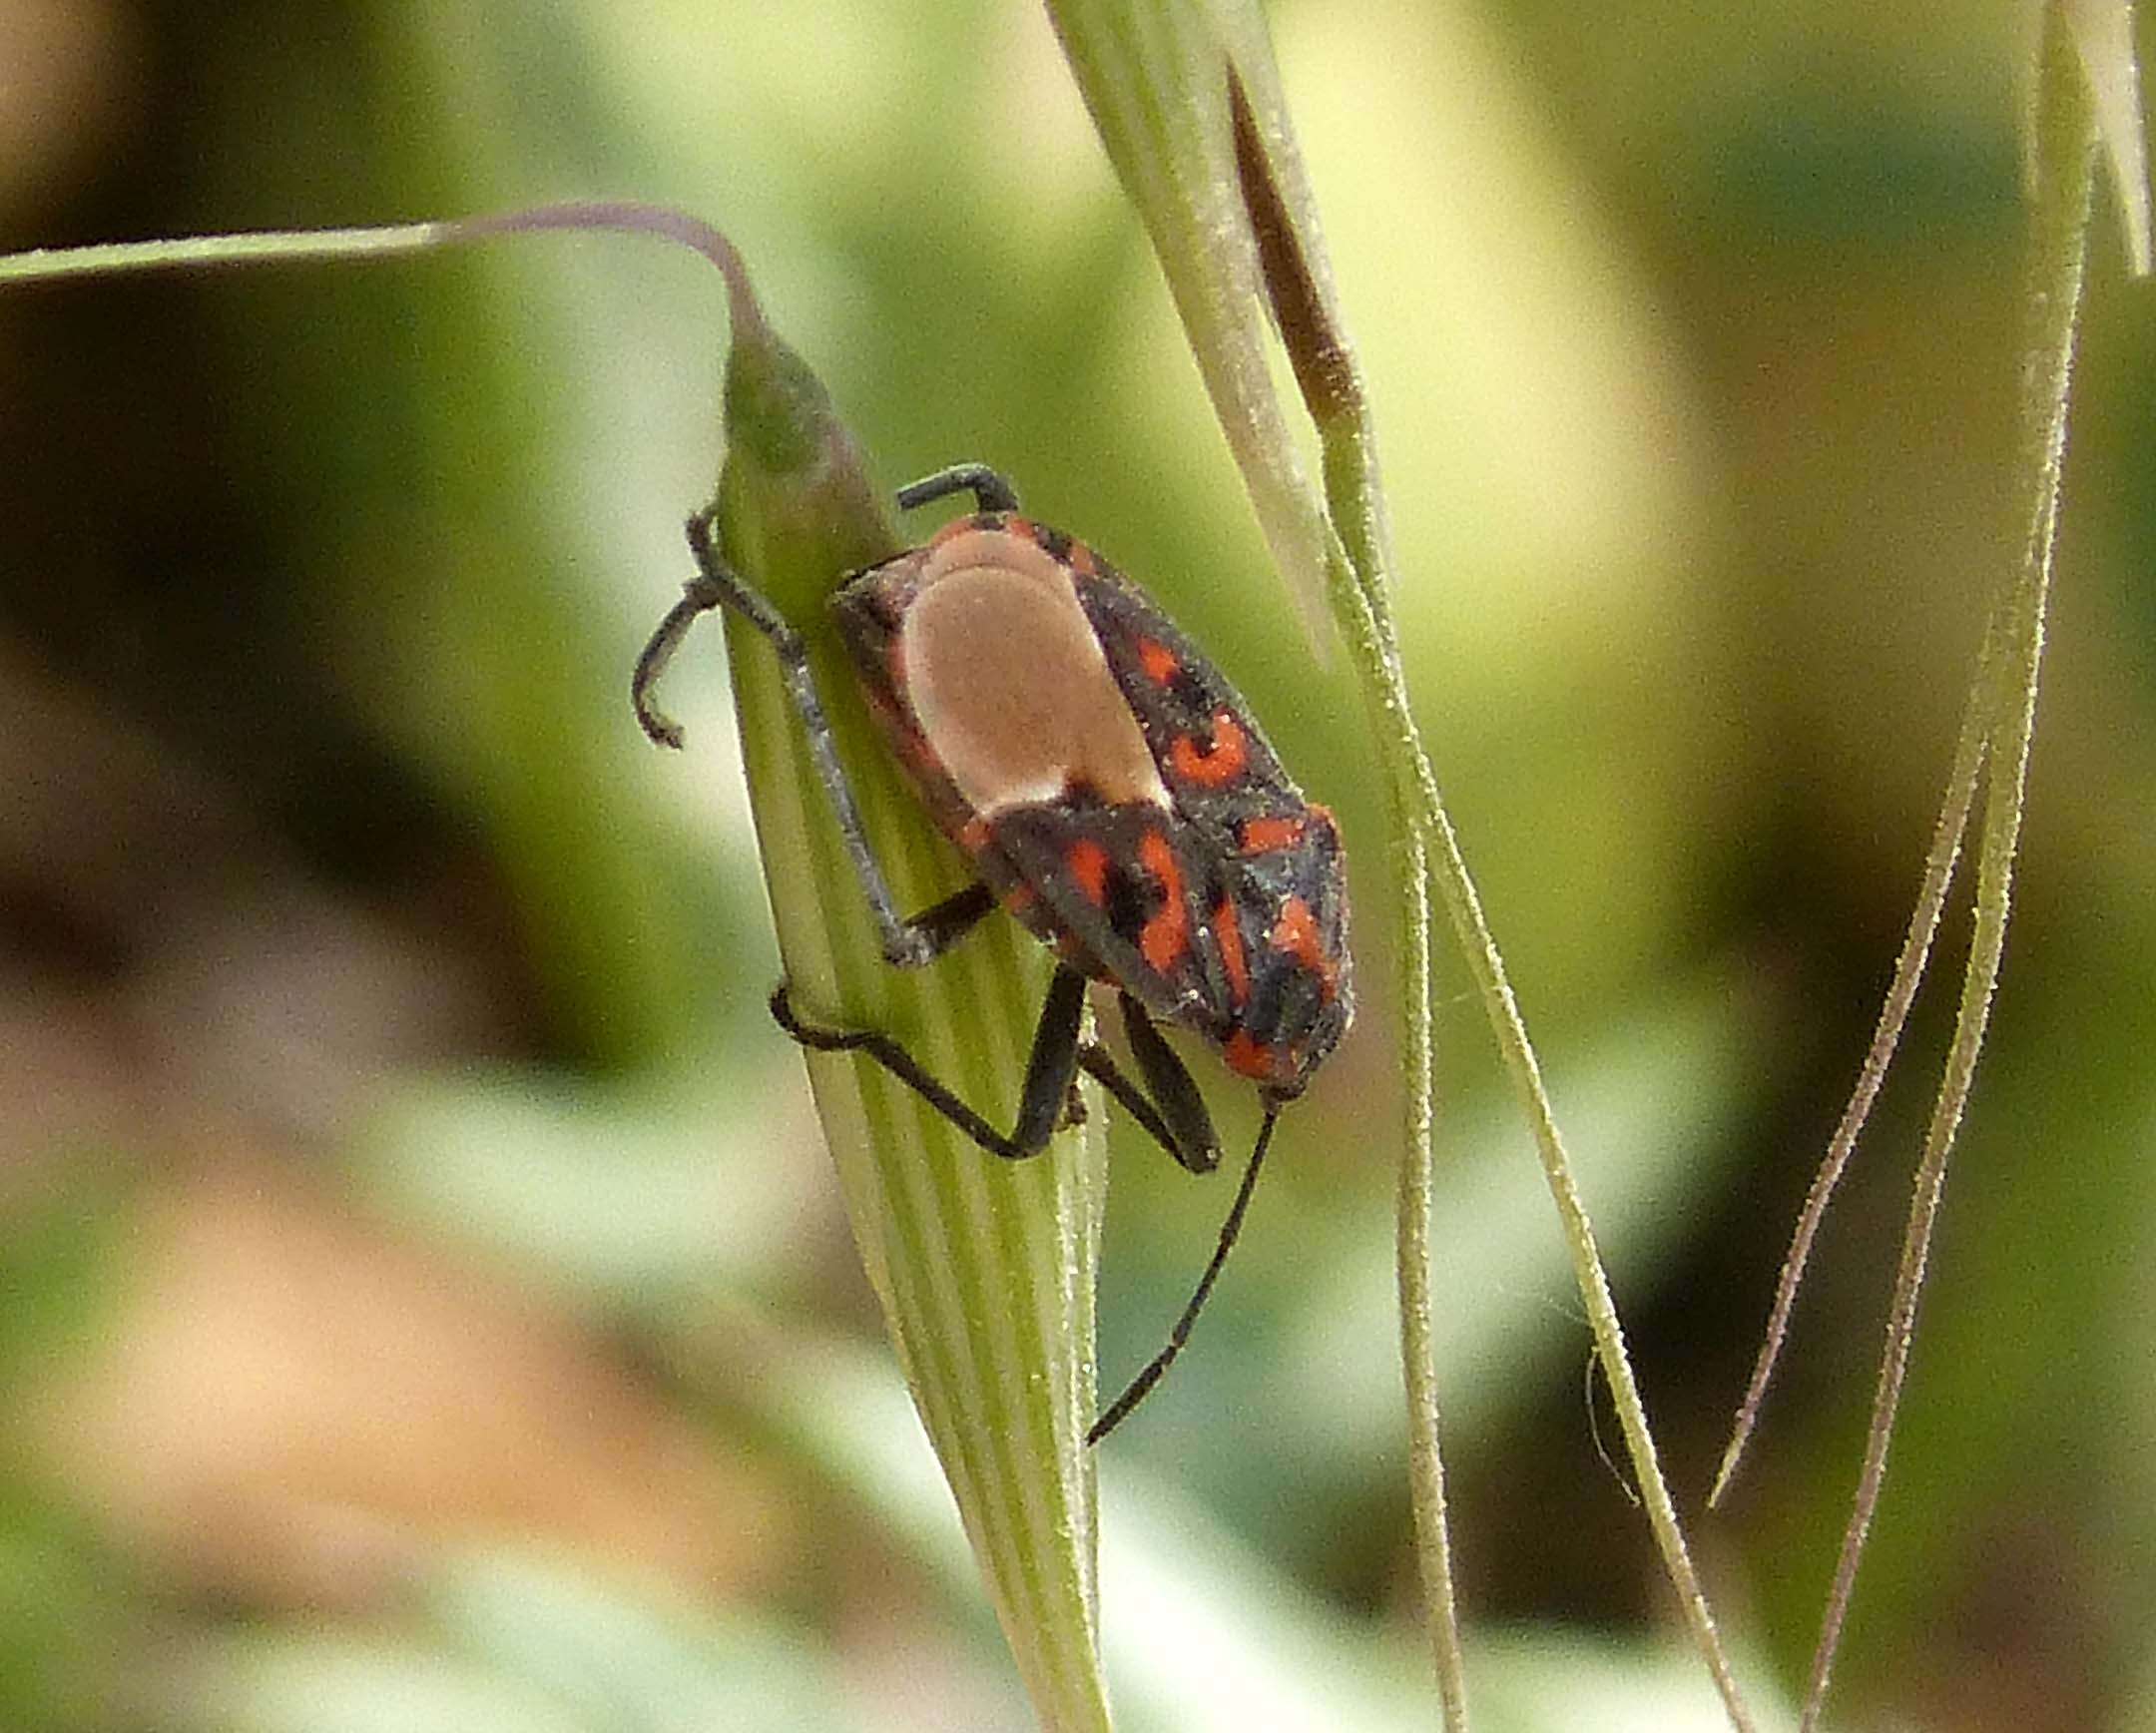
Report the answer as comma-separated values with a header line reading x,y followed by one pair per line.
x,y
1140,1386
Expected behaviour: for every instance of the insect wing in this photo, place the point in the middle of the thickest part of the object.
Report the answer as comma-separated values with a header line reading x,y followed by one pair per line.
x,y
1210,752
1115,882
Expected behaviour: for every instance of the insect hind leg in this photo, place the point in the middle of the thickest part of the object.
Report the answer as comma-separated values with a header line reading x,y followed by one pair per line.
x,y
1049,1070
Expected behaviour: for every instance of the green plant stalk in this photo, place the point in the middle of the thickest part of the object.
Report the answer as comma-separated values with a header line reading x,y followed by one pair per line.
x,y
1232,219
2103,33
1360,589
1153,75
1413,1276
2066,140
985,1270
984,1267
1375,661
1172,90
1940,859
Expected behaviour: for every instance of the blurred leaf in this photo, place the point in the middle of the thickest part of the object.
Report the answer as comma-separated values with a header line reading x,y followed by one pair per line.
x,y
65,1602
1201,1630
65,1609
59,1253
1536,1681
636,1197
524,1646
301,1682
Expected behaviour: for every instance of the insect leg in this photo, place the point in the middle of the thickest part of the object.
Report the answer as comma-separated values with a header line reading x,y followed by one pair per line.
x,y
1049,1071
1192,1139
989,491
717,586
1117,1411
1054,1062
1098,1063
946,923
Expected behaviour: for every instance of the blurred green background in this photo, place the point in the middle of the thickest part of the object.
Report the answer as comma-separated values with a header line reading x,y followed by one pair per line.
x,y
422,1298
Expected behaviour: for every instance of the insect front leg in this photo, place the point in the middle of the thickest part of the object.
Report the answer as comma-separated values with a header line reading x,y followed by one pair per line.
x,y
907,943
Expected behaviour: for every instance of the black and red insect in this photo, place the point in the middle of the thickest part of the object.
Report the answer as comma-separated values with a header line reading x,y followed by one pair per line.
x,y
1110,790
